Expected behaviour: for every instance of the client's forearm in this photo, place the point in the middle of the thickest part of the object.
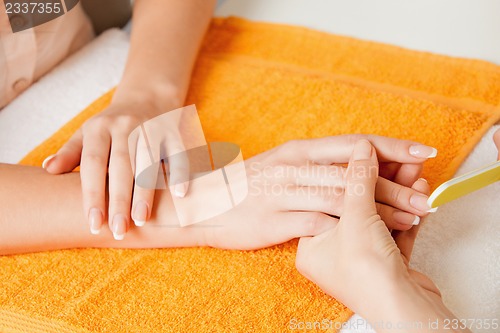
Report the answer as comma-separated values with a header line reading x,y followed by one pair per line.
x,y
41,212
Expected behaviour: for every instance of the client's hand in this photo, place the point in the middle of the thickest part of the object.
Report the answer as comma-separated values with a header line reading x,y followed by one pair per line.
x,y
297,189
361,264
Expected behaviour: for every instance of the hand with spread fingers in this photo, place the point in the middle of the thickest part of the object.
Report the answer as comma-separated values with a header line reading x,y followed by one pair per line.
x,y
365,266
102,148
155,81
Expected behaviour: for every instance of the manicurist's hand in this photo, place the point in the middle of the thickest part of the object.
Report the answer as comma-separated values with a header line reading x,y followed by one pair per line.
x,y
103,145
164,43
361,264
297,189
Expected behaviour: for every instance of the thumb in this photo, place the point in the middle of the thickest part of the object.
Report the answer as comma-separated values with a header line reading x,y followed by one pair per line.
x,y
362,174
67,158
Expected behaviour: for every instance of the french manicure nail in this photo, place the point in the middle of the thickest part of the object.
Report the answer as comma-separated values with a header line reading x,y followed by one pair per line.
x,y
433,210
424,180
140,214
180,190
419,202
403,217
416,221
95,221
362,150
47,160
119,226
423,151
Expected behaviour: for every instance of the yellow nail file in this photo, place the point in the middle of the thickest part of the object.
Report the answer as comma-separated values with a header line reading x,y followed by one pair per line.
x,y
465,184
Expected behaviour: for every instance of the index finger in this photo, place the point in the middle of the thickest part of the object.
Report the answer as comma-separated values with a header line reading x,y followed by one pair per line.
x,y
338,149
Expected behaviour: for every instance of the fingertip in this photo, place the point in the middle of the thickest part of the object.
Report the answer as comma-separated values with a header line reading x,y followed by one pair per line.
x,y
422,186
422,151
119,226
60,163
140,213
180,190
363,150
48,161
496,137
95,220
139,223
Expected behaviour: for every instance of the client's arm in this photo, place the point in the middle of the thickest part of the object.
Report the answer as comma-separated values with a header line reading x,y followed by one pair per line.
x,y
44,212
294,190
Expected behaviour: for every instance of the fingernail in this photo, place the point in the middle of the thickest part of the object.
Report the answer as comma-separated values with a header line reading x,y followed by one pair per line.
x,y
47,160
95,221
423,151
424,180
405,218
419,202
362,150
119,226
416,221
140,214
180,190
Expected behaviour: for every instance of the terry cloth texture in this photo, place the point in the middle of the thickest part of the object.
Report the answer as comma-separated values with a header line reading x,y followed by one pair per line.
x,y
257,85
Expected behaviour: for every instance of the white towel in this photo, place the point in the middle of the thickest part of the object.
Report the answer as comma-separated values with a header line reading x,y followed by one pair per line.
x,y
60,95
459,245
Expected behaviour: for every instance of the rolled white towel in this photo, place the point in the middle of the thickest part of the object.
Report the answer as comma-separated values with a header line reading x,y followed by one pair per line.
x,y
60,95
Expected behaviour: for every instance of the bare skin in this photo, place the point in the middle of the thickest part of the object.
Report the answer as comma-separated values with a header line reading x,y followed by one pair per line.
x,y
42,212
165,39
363,265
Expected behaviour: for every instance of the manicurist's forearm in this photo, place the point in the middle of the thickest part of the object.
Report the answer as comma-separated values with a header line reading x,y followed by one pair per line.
x,y
166,35
41,212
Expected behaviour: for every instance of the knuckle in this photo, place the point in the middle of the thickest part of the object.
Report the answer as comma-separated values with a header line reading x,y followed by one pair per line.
x,y
94,158
144,194
313,223
119,202
328,201
396,146
93,196
396,194
121,155
98,124
290,145
127,122
353,138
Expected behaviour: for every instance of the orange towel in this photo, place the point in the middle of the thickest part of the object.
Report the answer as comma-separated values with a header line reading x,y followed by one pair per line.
x,y
256,85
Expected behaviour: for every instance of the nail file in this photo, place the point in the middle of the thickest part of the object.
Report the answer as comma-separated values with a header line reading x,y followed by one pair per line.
x,y
465,184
